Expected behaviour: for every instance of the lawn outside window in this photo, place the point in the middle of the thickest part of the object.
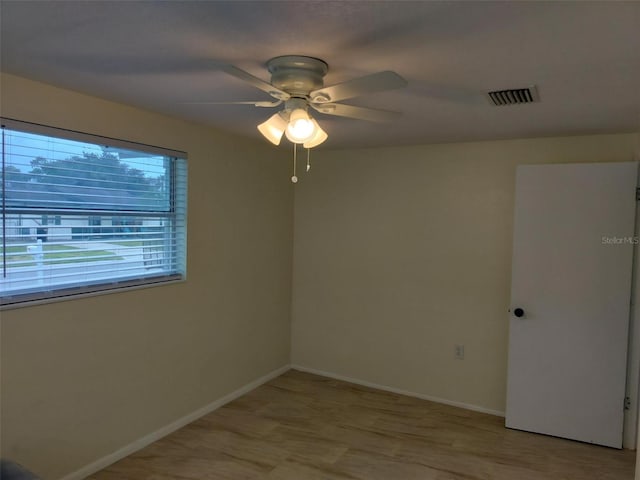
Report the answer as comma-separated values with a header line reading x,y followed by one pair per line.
x,y
85,214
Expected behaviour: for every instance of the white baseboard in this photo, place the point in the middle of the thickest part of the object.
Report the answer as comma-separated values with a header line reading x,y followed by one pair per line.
x,y
119,454
386,388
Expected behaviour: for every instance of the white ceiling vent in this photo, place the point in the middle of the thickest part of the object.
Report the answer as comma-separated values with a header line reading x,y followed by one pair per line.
x,y
514,96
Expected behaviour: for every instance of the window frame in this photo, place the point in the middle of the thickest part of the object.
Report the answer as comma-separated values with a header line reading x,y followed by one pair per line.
x,y
178,202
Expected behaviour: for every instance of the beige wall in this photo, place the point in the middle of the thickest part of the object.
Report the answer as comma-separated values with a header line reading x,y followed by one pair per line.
x,y
83,378
400,253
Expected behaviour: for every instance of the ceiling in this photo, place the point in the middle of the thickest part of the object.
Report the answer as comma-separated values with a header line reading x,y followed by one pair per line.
x,y
584,58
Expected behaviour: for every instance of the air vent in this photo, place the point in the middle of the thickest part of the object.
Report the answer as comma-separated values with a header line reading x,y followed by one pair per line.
x,y
514,96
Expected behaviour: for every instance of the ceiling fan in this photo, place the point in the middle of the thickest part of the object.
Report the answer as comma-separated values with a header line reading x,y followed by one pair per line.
x,y
297,82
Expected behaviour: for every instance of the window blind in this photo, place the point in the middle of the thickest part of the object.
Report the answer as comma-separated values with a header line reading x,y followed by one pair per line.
x,y
80,216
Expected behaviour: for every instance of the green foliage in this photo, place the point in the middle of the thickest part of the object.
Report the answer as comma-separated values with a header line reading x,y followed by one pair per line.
x,y
93,180
92,170
13,174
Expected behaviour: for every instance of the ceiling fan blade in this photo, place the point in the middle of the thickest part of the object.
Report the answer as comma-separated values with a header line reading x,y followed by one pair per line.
x,y
255,81
361,113
376,82
255,104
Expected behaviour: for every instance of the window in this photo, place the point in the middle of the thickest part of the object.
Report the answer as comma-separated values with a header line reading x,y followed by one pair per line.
x,y
83,214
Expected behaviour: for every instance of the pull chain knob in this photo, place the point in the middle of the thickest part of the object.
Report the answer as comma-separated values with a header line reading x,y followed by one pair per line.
x,y
294,179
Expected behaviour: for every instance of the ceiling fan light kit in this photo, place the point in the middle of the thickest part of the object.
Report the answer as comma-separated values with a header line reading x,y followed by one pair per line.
x,y
300,128
317,138
274,128
298,82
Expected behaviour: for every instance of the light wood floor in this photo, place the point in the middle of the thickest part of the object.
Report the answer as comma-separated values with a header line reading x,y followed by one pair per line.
x,y
305,427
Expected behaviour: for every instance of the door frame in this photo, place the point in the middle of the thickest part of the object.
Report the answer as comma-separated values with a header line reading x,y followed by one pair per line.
x,y
630,425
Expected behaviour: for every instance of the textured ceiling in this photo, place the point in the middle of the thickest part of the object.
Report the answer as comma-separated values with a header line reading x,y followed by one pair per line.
x,y
583,56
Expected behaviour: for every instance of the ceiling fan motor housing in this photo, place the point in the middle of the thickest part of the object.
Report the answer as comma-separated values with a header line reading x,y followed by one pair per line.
x,y
297,75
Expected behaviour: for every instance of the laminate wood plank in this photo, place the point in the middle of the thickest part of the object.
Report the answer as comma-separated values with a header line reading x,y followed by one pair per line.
x,y
301,426
292,470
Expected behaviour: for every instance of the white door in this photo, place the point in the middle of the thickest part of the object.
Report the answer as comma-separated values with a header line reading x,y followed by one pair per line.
x,y
571,281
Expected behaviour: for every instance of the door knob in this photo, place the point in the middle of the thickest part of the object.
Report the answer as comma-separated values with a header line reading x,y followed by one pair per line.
x,y
518,312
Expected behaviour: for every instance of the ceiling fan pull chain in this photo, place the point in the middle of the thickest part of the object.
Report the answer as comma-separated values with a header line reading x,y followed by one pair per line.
x,y
294,179
308,162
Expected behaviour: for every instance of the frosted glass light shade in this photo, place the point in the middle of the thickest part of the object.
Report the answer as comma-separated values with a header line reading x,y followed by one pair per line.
x,y
301,128
274,128
318,137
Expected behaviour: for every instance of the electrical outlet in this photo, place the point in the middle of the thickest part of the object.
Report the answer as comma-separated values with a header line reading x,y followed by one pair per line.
x,y
458,352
